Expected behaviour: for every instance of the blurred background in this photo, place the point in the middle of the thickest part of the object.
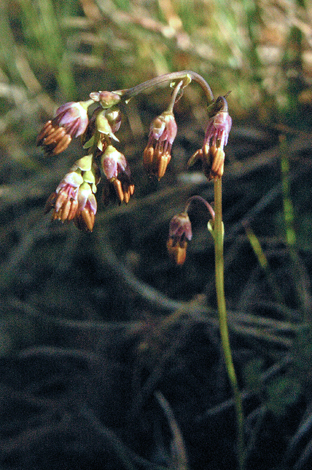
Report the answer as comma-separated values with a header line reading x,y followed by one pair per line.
x,y
109,354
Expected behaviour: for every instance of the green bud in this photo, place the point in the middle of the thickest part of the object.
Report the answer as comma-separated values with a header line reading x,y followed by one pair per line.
x,y
84,163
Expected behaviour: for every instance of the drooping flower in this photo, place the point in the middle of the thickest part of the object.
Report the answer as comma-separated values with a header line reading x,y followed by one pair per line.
x,y
119,185
113,162
87,207
74,197
157,153
70,121
219,124
180,230
64,201
216,137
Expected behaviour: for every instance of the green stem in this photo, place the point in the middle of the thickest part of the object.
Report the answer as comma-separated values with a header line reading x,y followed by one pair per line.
x,y
223,323
174,96
188,75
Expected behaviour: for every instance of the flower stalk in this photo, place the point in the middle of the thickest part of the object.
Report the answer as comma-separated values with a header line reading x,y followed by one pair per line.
x,y
223,322
186,75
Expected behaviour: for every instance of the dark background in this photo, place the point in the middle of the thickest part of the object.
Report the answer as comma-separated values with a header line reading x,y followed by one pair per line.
x,y
110,354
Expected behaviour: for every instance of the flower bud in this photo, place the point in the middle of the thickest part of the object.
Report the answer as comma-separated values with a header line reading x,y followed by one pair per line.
x,y
107,99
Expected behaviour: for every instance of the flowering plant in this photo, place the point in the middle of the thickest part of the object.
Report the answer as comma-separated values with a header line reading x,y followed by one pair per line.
x,y
97,120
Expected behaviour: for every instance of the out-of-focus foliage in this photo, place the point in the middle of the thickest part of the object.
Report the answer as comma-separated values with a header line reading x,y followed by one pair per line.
x,y
260,50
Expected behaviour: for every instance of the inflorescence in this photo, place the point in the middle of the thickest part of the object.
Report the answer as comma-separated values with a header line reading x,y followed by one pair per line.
x,y
96,122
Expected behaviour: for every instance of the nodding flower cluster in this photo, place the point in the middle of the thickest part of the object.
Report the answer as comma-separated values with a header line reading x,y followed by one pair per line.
x,y
96,122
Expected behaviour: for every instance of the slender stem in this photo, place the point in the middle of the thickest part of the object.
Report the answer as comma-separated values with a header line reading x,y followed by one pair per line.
x,y
189,75
203,201
223,323
174,97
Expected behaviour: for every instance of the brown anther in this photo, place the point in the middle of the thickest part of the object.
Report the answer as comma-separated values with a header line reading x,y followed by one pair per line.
x,y
163,162
73,209
62,144
84,220
156,161
118,188
54,136
198,155
50,204
128,190
53,139
148,158
215,163
88,218
61,199
44,132
177,250
217,166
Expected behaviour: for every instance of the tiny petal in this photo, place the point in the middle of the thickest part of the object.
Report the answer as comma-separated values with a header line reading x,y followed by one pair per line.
x,y
157,127
72,178
85,163
164,127
220,123
180,226
73,117
103,126
113,162
114,118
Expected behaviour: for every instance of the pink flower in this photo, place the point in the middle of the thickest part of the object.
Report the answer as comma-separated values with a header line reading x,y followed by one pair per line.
x,y
157,153
74,197
73,117
87,207
180,226
113,162
70,121
216,137
119,185
180,230
219,125
64,201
